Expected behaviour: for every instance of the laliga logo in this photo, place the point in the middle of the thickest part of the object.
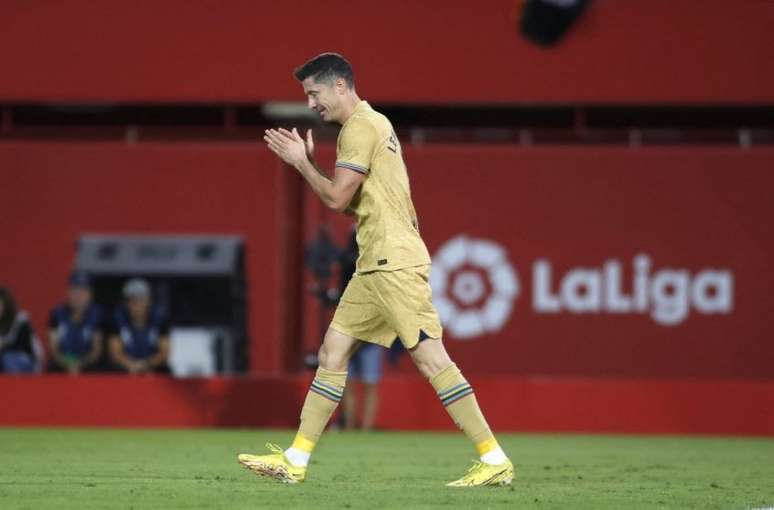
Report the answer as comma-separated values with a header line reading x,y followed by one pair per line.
x,y
666,294
473,286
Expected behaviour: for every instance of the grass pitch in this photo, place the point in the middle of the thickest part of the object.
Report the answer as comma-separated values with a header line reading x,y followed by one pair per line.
x,y
66,469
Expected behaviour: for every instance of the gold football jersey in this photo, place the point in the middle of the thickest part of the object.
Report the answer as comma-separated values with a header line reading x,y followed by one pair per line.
x,y
387,228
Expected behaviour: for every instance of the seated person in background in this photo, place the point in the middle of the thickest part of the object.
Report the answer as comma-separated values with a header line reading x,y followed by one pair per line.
x,y
20,352
75,329
365,367
139,341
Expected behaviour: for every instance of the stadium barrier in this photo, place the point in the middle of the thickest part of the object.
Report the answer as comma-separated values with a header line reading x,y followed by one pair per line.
x,y
54,192
594,262
620,52
564,262
511,403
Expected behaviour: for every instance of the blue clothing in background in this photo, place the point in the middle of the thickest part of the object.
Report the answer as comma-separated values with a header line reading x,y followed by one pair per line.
x,y
141,343
366,363
75,338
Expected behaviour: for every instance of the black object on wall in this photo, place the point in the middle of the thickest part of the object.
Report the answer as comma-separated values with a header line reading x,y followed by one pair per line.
x,y
545,22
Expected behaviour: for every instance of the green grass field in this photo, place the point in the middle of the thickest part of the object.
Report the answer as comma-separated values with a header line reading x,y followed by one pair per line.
x,y
137,469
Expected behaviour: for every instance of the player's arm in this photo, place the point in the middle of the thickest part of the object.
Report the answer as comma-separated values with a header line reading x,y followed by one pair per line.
x,y
347,210
335,193
313,162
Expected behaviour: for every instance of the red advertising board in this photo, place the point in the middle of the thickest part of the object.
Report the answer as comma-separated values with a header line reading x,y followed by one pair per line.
x,y
604,262
597,262
51,193
511,403
584,289
574,262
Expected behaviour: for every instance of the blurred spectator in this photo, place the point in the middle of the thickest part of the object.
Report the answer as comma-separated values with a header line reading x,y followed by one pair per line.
x,y
75,329
20,350
139,341
365,366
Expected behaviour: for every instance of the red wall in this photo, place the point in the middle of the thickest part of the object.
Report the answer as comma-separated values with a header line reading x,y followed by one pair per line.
x,y
713,51
688,209
407,402
51,193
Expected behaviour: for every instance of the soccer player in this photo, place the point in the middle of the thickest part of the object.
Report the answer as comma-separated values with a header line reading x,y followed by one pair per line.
x,y
389,296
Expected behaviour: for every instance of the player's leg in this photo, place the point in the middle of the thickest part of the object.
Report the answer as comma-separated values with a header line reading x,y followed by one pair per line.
x,y
406,299
457,396
355,318
324,394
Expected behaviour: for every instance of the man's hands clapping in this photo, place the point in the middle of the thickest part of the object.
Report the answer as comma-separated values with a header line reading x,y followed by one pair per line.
x,y
289,146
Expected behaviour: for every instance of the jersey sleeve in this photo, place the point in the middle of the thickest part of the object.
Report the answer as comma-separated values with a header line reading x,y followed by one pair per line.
x,y
357,145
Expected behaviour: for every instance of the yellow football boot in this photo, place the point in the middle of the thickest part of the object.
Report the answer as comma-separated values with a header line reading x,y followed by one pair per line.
x,y
486,474
273,465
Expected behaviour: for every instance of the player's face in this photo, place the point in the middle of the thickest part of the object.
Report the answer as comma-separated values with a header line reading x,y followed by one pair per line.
x,y
323,98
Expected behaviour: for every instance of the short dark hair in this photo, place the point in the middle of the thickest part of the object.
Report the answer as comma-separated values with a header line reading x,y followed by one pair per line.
x,y
326,67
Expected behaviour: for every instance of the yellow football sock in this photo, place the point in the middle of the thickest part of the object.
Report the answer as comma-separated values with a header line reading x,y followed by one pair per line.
x,y
303,444
460,402
323,397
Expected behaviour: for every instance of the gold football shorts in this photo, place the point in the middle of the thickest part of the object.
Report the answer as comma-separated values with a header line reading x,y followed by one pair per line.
x,y
380,306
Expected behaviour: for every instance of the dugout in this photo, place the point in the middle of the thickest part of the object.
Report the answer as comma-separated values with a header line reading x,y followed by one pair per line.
x,y
198,280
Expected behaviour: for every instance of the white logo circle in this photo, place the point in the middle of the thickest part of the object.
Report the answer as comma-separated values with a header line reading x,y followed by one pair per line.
x,y
454,263
468,287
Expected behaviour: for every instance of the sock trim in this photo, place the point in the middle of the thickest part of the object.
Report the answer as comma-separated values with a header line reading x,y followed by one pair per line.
x,y
444,393
455,393
326,390
486,446
303,444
